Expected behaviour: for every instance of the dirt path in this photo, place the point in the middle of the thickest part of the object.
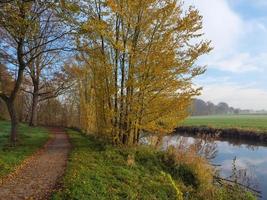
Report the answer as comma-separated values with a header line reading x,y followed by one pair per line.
x,y
37,178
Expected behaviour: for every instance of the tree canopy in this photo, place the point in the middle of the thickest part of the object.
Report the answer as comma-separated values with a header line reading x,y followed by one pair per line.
x,y
131,66
135,66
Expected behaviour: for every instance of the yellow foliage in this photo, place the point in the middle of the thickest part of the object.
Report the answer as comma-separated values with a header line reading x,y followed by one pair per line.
x,y
136,66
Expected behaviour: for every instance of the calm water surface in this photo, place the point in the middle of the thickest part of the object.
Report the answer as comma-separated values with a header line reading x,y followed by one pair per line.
x,y
252,158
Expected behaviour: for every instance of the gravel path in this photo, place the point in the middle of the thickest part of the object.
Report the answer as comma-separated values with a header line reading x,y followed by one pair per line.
x,y
37,178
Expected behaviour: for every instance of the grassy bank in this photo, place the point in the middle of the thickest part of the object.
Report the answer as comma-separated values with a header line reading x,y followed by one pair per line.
x,y
97,170
29,140
244,122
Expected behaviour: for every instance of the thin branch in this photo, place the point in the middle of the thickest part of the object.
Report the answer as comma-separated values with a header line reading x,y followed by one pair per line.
x,y
24,90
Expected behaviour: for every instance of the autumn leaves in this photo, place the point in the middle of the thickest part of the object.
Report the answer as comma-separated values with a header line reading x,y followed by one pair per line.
x,y
136,63
132,62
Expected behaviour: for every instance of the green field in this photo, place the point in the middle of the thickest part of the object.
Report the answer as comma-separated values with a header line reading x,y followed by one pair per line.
x,y
29,140
247,122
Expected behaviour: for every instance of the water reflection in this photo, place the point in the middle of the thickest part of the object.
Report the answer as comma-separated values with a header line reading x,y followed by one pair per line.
x,y
205,147
251,160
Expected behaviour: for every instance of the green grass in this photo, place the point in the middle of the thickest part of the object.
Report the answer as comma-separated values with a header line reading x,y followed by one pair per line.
x,y
99,171
29,140
246,122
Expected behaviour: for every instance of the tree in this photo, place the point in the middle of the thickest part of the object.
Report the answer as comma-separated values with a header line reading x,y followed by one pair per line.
x,y
45,81
19,25
211,108
199,107
136,66
222,108
21,103
46,71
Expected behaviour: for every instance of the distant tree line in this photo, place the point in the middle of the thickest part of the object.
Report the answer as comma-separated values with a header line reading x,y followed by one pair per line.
x,y
200,107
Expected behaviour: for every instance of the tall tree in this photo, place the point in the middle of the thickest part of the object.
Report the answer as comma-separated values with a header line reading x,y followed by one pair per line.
x,y
19,25
136,66
44,84
45,71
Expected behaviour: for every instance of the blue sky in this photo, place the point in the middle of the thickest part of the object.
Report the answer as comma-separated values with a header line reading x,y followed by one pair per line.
x,y
237,67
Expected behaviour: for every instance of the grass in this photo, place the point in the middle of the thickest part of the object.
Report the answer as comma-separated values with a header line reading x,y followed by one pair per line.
x,y
245,122
97,170
29,140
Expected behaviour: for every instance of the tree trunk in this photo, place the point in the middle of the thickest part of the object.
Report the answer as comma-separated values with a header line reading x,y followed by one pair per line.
x,y
14,122
33,121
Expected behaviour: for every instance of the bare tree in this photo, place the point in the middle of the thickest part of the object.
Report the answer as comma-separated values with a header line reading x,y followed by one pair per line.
x,y
20,21
45,71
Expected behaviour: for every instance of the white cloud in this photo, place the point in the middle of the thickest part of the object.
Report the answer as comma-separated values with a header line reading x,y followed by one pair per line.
x,y
240,63
229,33
221,24
240,44
244,97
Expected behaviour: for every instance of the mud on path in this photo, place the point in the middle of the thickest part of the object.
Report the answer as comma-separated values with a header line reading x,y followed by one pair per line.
x,y
37,178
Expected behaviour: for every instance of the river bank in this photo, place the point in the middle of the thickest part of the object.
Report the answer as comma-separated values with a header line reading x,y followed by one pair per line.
x,y
246,136
99,170
250,157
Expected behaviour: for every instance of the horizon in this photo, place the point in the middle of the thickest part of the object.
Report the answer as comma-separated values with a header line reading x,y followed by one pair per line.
x,y
230,106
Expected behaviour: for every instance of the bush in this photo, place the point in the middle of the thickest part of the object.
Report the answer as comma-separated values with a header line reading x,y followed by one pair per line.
x,y
185,163
186,166
186,174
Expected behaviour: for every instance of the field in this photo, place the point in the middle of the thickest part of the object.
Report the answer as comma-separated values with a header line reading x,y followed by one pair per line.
x,y
247,122
29,140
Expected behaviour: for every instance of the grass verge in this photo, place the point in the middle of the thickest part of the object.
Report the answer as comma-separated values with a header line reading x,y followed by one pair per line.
x,y
29,140
99,171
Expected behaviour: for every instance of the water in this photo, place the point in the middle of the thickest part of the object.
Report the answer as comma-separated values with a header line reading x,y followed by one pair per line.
x,y
252,158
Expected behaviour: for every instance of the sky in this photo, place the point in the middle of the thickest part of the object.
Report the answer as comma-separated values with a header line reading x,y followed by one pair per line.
x,y
237,67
